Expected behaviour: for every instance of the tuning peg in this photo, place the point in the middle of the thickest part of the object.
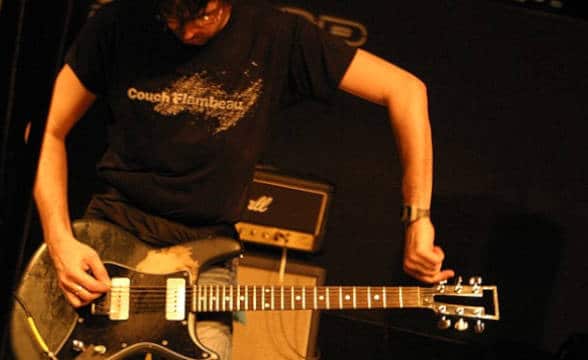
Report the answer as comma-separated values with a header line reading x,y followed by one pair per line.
x,y
441,285
78,345
479,327
475,280
458,284
99,349
444,323
461,325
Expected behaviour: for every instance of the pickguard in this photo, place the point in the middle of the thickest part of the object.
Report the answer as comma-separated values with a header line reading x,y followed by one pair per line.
x,y
58,323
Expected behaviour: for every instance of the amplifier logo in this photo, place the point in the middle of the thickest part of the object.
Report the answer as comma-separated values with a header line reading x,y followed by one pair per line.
x,y
260,205
353,32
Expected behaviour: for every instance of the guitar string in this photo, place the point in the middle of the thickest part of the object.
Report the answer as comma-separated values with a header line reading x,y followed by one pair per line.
x,y
146,301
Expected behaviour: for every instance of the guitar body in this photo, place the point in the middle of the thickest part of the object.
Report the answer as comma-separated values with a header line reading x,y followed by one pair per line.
x,y
125,256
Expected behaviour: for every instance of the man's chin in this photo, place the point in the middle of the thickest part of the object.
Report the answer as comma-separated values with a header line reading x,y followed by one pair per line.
x,y
196,41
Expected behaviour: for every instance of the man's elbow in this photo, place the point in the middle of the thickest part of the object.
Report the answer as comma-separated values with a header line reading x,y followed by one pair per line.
x,y
410,89
417,85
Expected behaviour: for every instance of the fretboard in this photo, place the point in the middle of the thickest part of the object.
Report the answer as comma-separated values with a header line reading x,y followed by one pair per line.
x,y
254,298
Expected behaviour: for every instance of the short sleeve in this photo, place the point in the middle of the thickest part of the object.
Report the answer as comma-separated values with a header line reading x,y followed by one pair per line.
x,y
89,56
318,60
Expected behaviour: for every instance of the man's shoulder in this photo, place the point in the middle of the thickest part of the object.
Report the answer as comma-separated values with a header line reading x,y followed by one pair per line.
x,y
265,14
112,9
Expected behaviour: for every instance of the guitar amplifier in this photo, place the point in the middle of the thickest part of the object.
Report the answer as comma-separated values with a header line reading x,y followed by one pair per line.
x,y
285,211
277,335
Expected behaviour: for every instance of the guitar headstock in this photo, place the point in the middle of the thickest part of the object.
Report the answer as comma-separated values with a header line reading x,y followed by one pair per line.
x,y
463,301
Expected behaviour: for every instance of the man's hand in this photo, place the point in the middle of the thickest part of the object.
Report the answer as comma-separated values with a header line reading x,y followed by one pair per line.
x,y
81,274
422,258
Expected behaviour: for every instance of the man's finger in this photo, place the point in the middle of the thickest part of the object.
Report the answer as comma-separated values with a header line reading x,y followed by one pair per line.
x,y
91,284
74,300
423,261
443,275
432,258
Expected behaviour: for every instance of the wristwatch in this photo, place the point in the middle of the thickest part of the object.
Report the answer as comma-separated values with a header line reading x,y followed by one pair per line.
x,y
410,214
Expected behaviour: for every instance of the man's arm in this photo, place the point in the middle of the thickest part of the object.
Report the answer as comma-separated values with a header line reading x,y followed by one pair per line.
x,y
405,96
81,274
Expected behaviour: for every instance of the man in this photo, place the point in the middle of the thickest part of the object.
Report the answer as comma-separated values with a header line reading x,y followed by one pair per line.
x,y
192,86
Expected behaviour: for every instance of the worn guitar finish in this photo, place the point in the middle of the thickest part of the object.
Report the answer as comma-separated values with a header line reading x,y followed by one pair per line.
x,y
58,323
154,299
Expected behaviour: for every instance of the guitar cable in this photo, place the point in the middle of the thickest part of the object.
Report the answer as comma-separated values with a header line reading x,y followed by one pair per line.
x,y
33,327
281,273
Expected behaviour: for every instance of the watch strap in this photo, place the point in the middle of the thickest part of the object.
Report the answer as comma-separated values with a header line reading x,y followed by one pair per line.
x,y
410,214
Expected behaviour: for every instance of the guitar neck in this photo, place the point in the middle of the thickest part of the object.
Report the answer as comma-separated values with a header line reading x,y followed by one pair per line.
x,y
256,297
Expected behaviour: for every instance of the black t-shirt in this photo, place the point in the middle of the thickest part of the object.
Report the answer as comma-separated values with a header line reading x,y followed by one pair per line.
x,y
189,122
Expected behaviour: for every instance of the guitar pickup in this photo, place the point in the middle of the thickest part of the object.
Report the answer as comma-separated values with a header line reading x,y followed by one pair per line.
x,y
118,308
175,299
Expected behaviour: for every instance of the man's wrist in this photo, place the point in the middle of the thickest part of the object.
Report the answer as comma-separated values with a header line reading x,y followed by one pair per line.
x,y
411,213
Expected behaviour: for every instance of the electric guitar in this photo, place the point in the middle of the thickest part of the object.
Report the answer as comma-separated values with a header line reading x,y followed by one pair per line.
x,y
154,300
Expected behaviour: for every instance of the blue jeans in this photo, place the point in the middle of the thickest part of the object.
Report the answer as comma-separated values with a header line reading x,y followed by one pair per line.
x,y
216,334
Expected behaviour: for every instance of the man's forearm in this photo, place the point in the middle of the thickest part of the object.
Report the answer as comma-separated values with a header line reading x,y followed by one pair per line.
x,y
50,190
412,130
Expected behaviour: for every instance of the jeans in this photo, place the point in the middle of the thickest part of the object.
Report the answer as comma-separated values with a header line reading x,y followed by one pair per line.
x,y
215,330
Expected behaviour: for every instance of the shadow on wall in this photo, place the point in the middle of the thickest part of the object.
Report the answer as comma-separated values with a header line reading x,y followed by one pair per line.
x,y
520,252
525,253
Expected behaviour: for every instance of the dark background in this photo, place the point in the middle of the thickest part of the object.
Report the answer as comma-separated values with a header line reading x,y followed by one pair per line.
x,y
507,86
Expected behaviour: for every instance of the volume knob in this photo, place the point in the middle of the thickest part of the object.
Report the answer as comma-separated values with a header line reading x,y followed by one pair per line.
x,y
461,325
444,323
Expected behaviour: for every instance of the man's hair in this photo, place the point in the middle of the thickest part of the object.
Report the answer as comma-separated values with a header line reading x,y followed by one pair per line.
x,y
184,10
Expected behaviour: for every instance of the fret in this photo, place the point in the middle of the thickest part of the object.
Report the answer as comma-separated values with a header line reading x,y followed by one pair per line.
x,y
224,298
328,298
194,303
238,297
246,298
304,297
400,301
322,298
369,297
340,298
314,295
264,301
384,297
210,297
254,297
282,296
205,299
273,299
231,299
197,290
354,298
217,298
292,304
